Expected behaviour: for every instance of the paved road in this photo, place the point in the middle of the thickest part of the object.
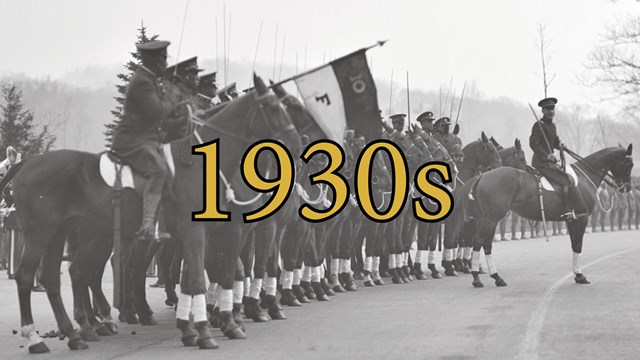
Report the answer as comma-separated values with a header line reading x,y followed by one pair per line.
x,y
542,314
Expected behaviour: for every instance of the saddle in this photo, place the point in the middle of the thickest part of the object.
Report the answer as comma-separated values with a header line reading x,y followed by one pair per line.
x,y
111,164
552,185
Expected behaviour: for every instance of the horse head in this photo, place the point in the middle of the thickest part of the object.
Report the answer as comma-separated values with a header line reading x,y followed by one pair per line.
x,y
513,156
621,169
488,155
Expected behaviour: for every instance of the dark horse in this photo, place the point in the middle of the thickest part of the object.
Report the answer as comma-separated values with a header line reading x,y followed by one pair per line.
x,y
488,197
58,192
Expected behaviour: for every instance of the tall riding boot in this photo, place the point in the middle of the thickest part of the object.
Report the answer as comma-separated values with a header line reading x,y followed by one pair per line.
x,y
568,214
150,204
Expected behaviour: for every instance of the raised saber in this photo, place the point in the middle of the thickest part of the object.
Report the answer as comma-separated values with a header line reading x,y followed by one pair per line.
x,y
544,219
461,98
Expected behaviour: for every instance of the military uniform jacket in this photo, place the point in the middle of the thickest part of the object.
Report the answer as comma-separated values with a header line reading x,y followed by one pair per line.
x,y
145,107
539,145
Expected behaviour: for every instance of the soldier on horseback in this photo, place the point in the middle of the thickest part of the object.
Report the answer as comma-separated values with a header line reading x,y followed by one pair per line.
x,y
543,140
136,138
398,121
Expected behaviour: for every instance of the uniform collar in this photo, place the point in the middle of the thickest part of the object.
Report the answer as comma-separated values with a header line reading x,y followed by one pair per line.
x,y
148,70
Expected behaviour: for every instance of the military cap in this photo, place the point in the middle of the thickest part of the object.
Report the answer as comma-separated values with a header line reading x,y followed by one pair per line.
x,y
548,102
425,116
184,66
398,117
444,121
231,88
154,47
208,78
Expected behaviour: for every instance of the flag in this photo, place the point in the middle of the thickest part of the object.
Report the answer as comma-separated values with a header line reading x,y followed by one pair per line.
x,y
342,95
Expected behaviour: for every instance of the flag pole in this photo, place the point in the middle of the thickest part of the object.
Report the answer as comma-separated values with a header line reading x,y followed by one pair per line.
x,y
379,43
408,103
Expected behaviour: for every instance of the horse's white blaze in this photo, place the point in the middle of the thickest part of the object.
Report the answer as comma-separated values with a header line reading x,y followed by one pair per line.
x,y
307,273
577,263
199,308
226,300
490,265
185,303
297,276
238,291
256,286
29,332
392,261
475,261
368,263
431,258
287,279
211,293
270,286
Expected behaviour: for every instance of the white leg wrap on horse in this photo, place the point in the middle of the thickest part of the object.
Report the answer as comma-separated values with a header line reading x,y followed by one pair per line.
x,y
226,300
216,294
368,263
448,254
335,266
318,272
297,276
491,265
345,266
405,259
238,291
287,279
460,253
392,261
431,258
399,260
467,252
307,273
270,286
199,308
577,263
184,306
375,271
247,286
211,293
475,261
419,254
29,332
256,286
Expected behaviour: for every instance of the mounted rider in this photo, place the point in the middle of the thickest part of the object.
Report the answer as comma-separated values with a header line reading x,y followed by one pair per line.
x,y
184,75
543,140
207,89
136,137
398,121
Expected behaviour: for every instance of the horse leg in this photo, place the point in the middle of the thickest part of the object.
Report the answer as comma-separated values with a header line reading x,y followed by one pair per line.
x,y
346,244
298,291
143,253
238,293
293,235
576,233
248,258
486,240
252,308
171,257
101,304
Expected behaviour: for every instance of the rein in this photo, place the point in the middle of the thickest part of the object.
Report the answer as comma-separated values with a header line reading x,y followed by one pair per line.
x,y
590,167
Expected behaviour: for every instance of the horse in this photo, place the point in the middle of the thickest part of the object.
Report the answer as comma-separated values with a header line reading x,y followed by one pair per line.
x,y
57,192
488,197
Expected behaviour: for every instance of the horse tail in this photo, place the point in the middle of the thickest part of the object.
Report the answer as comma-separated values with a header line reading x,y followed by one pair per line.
x,y
10,174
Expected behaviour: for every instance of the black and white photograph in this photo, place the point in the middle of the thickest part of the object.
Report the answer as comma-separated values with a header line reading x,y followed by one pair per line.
x,y
297,179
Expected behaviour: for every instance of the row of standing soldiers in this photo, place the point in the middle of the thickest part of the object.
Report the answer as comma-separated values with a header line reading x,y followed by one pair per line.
x,y
622,210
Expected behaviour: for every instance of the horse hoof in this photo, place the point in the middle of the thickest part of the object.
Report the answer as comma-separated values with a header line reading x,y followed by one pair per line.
x,y
369,283
148,320
378,282
466,270
421,276
103,331
581,279
207,343
277,314
450,273
77,344
131,319
38,348
436,275
111,327
189,340
323,297
501,283
477,283
339,289
89,334
235,334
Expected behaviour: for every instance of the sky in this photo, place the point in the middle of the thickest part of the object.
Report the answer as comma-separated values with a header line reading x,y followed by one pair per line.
x,y
489,44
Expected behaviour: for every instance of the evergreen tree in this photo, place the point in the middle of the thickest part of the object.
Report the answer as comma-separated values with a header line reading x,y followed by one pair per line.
x,y
17,128
130,67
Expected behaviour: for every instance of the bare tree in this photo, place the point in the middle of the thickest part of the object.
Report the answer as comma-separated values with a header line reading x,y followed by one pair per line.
x,y
616,62
575,126
545,59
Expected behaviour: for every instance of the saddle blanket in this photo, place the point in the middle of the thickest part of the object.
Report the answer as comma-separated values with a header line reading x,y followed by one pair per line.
x,y
570,171
108,172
